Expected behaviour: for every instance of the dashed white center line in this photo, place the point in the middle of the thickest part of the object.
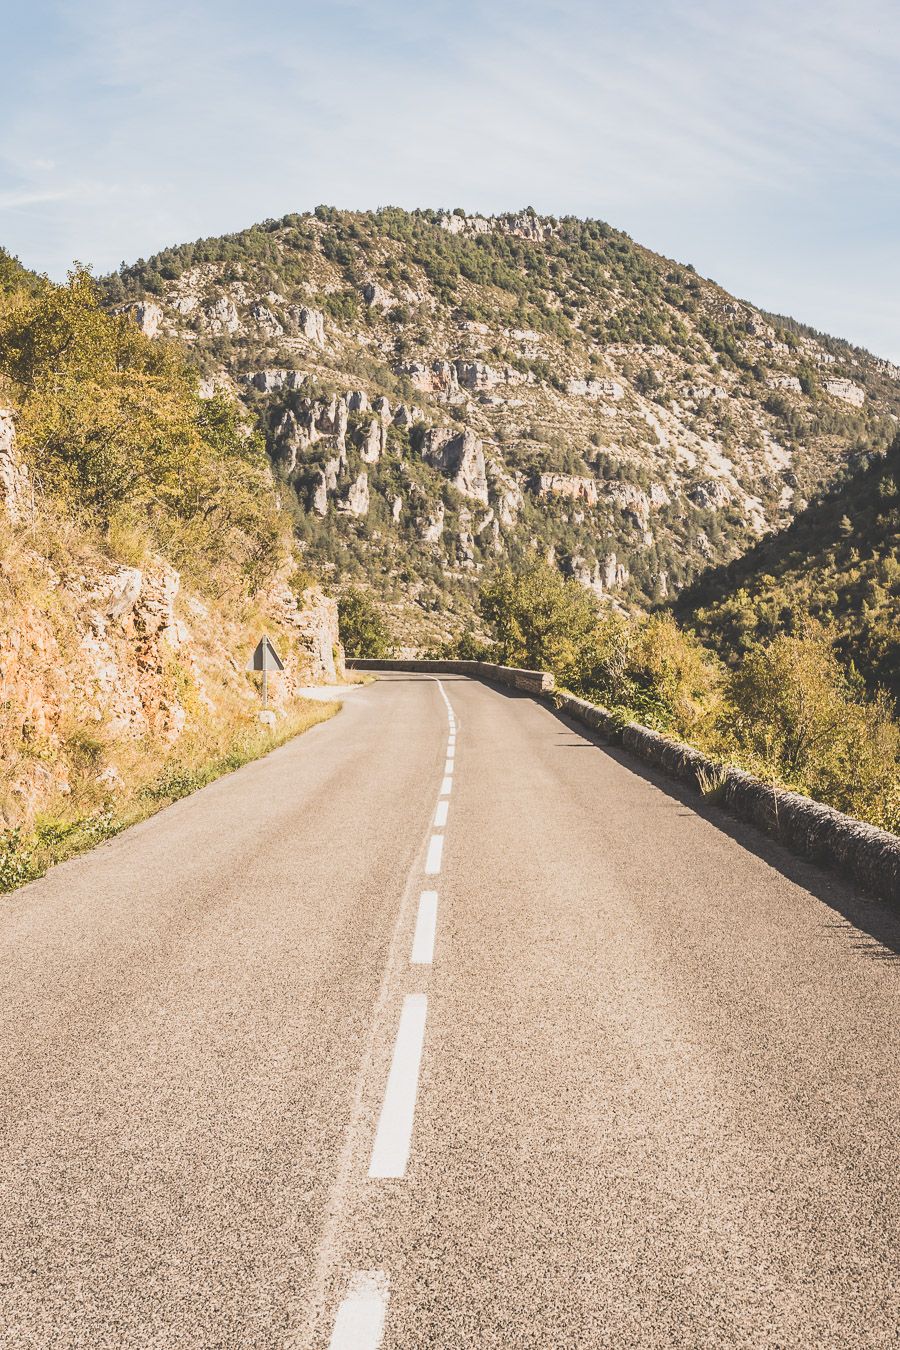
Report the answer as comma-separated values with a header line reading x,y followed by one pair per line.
x,y
393,1137
359,1324
435,853
447,785
426,926
440,815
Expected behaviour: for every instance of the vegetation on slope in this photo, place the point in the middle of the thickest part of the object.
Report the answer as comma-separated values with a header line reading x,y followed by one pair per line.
x,y
119,691
725,423
838,562
788,711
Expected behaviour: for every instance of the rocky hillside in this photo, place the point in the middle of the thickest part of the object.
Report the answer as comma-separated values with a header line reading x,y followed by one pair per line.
x,y
441,391
838,562
142,554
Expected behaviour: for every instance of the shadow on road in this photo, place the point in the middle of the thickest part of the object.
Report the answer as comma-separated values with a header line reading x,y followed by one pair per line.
x,y
869,926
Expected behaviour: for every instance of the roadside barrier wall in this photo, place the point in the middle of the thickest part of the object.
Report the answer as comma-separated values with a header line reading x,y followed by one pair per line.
x,y
862,852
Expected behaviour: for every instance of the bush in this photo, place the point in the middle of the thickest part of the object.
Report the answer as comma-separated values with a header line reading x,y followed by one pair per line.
x,y
794,716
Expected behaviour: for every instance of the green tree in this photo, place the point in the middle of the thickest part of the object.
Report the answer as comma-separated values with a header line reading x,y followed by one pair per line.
x,y
362,629
541,620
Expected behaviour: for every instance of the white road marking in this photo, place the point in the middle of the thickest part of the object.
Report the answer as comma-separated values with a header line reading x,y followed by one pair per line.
x,y
448,767
426,926
447,785
451,744
393,1137
440,815
359,1324
435,853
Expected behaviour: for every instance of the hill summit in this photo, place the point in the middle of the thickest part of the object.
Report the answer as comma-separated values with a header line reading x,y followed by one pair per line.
x,y
440,392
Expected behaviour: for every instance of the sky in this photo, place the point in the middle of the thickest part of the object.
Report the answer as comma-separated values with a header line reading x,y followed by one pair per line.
x,y
758,140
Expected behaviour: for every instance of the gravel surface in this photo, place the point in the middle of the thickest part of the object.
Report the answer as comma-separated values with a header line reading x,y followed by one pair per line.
x,y
658,1100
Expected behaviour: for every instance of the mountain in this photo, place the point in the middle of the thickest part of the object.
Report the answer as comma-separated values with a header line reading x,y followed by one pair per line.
x,y
440,391
837,562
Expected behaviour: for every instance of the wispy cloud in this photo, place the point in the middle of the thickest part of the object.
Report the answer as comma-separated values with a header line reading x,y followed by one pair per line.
x,y
756,138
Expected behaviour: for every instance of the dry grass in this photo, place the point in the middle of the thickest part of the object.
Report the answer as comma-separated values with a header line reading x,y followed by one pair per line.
x,y
148,783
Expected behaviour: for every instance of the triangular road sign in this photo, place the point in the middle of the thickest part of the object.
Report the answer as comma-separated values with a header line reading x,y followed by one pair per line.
x,y
265,657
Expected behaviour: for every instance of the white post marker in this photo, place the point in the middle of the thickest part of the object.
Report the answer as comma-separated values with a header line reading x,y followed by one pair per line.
x,y
440,815
393,1138
359,1324
426,927
435,853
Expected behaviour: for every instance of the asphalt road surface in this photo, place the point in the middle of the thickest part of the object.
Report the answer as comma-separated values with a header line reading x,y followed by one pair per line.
x,y
443,1026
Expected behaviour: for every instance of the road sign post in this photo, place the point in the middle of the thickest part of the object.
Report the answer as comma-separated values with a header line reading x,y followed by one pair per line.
x,y
265,658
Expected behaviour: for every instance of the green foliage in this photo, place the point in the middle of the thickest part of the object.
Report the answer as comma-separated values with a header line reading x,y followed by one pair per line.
x,y
788,711
362,629
541,620
838,563
112,426
794,716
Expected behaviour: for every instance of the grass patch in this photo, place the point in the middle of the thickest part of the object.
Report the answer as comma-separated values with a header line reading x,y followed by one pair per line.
x,y
26,855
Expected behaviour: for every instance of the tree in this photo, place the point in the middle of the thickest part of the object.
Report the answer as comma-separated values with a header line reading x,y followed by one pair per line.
x,y
541,620
362,629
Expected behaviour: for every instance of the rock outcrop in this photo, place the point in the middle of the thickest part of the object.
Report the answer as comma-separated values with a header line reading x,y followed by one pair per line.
x,y
846,391
460,457
14,480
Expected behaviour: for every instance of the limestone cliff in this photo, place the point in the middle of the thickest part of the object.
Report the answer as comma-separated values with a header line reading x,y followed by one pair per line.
x,y
107,666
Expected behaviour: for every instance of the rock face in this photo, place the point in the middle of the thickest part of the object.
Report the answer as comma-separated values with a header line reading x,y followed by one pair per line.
x,y
310,324
221,316
267,381
147,314
710,496
846,391
594,389
372,443
266,320
568,485
355,501
431,526
789,382
376,297
460,456
14,481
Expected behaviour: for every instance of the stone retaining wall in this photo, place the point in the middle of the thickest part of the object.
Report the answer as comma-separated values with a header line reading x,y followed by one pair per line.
x,y
867,855
530,681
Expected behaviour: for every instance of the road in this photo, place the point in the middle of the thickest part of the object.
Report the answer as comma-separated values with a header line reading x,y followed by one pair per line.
x,y
639,1088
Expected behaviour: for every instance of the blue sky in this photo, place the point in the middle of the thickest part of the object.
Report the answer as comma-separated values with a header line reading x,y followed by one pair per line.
x,y
758,140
